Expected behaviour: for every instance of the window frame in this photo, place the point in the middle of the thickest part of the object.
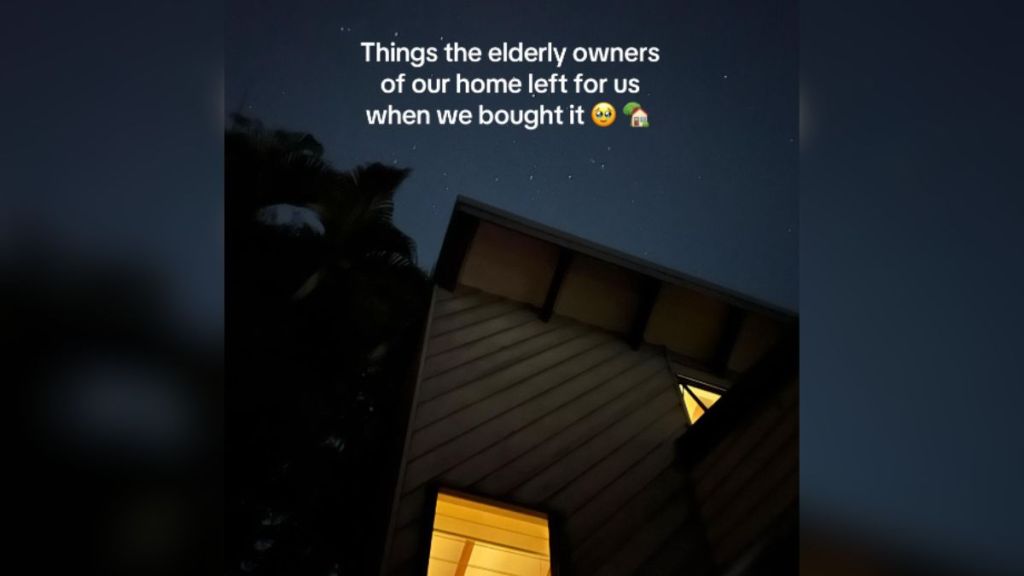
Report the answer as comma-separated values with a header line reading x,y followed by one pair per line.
x,y
685,382
556,538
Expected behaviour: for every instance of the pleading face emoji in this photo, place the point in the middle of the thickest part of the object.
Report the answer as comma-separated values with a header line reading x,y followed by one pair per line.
x,y
603,114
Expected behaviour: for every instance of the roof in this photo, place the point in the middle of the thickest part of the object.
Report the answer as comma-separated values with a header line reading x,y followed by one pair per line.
x,y
475,209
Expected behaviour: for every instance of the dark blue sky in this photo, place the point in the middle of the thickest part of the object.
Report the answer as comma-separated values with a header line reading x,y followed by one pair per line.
x,y
710,189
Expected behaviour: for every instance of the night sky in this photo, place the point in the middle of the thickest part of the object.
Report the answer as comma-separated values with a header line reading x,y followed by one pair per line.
x,y
710,189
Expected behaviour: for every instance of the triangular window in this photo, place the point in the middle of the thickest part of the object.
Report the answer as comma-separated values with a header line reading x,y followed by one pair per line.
x,y
698,397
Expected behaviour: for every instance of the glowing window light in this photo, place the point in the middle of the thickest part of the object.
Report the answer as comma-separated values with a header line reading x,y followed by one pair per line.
x,y
697,400
473,538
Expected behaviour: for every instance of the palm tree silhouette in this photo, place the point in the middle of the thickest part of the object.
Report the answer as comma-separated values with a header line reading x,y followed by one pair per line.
x,y
324,303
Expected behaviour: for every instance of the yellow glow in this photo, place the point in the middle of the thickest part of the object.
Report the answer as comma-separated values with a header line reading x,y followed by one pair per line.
x,y
472,538
693,409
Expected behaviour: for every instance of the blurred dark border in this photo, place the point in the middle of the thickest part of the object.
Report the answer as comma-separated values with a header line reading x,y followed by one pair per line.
x,y
910,286
911,283
111,272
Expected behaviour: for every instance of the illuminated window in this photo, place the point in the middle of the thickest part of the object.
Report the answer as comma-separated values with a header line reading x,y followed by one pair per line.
x,y
472,538
698,397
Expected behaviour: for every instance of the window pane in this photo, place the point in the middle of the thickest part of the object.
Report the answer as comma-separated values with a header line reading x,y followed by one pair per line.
x,y
694,410
706,397
473,538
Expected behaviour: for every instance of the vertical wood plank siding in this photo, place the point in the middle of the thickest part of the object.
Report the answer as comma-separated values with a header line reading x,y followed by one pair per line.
x,y
555,415
750,480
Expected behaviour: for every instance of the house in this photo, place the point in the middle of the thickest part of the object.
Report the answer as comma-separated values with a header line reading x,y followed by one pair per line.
x,y
580,411
638,119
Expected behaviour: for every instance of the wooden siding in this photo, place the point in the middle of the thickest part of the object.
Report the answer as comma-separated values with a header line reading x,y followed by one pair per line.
x,y
749,482
557,416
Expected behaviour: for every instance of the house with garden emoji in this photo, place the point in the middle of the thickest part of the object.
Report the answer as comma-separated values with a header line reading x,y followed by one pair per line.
x,y
636,114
